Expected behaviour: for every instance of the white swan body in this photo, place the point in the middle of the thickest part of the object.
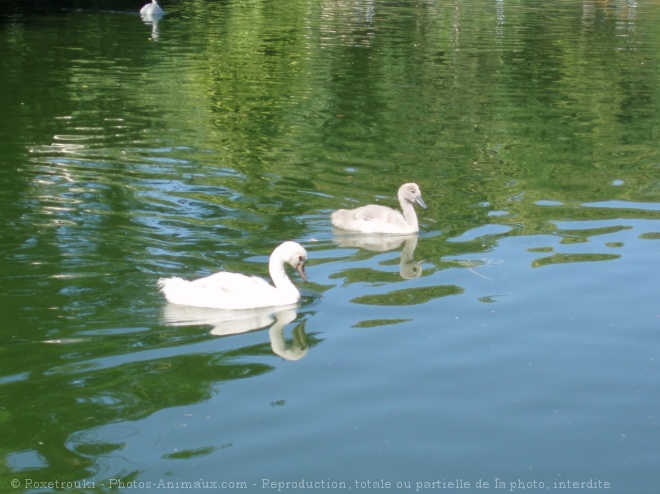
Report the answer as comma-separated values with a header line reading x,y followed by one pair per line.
x,y
151,9
381,219
226,290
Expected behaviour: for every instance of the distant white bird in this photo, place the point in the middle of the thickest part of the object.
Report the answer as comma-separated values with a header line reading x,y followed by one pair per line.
x,y
226,290
151,9
381,219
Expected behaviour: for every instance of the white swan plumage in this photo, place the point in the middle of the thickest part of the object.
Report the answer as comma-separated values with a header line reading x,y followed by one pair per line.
x,y
227,290
381,219
151,9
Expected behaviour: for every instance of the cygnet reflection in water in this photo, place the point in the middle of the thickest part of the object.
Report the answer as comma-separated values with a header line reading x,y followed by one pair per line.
x,y
408,268
231,322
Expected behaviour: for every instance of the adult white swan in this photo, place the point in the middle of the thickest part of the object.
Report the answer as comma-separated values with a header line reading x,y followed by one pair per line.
x,y
151,9
226,290
381,219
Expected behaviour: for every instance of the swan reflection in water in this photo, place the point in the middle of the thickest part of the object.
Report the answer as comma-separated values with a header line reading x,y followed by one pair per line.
x,y
408,268
151,15
229,322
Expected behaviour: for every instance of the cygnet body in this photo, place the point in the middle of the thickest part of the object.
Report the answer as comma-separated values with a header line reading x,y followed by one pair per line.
x,y
151,9
381,219
227,290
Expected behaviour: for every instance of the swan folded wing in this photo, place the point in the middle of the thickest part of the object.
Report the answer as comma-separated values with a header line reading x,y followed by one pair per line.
x,y
377,213
372,218
233,283
220,291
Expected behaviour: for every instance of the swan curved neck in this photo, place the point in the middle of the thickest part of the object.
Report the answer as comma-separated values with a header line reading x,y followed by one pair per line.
x,y
409,214
279,276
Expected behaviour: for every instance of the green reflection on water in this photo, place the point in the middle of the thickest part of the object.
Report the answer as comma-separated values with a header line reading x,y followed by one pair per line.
x,y
409,296
123,159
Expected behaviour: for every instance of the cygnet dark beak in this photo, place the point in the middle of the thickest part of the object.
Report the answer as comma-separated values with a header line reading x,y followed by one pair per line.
x,y
420,201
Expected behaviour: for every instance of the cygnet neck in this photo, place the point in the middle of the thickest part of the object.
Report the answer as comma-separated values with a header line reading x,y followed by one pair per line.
x,y
409,213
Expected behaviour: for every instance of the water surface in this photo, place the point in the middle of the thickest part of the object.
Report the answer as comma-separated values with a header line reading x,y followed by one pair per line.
x,y
515,339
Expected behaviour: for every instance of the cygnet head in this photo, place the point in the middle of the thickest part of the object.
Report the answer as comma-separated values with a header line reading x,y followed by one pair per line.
x,y
294,255
411,193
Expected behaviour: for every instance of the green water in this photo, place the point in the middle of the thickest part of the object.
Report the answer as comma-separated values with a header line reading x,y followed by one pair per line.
x,y
514,340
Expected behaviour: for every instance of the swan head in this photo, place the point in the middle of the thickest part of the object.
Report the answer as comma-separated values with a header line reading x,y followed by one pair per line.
x,y
294,255
412,194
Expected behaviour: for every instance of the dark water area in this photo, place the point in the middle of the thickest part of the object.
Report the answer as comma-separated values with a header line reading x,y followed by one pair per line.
x,y
514,339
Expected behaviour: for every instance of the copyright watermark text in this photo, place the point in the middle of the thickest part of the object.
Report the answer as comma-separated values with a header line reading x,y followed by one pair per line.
x,y
122,484
480,485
